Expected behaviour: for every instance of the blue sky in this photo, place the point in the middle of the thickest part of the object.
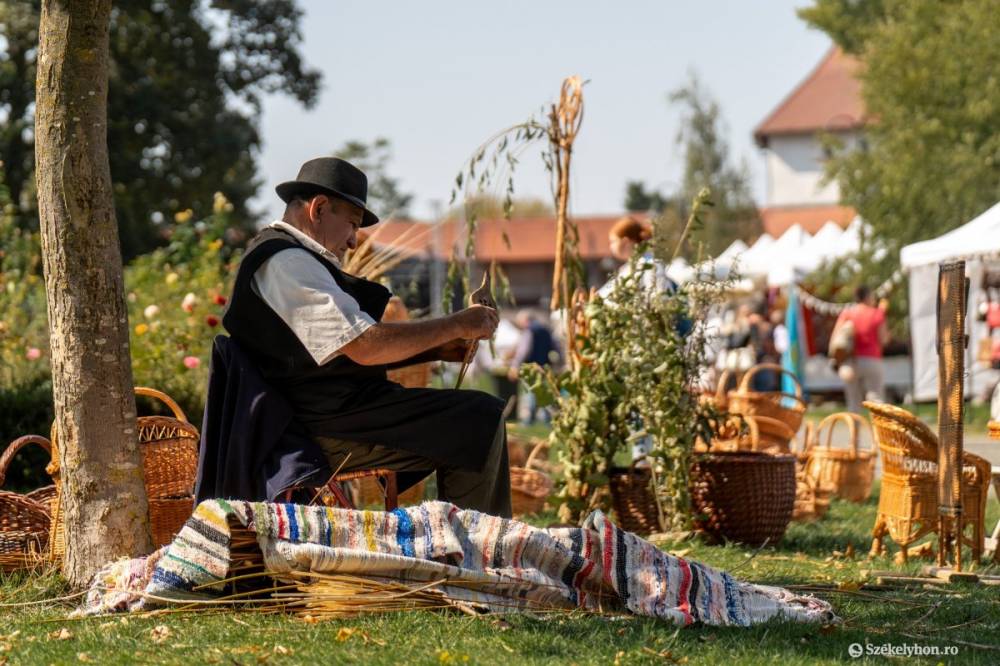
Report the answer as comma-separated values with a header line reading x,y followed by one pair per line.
x,y
438,77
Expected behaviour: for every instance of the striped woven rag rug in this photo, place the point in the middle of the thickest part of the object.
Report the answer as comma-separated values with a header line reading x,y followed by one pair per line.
x,y
490,562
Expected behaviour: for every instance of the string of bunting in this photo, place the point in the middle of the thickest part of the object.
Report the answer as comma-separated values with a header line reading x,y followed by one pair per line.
x,y
827,308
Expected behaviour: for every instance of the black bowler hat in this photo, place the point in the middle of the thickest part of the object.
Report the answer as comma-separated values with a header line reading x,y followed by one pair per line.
x,y
334,177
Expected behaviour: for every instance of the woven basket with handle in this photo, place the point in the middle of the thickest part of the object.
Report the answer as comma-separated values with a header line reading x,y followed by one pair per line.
x,y
847,470
170,464
744,496
753,433
529,488
24,518
777,406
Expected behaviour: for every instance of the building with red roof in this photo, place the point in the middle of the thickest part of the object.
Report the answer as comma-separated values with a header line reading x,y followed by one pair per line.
x,y
827,102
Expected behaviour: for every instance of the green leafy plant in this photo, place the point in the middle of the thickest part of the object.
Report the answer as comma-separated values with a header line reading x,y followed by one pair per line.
x,y
640,353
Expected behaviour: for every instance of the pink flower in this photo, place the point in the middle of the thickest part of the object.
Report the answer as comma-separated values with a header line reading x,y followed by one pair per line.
x,y
33,353
192,362
220,300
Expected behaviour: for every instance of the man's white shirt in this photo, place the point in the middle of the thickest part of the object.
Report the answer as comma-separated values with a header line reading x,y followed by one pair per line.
x,y
304,294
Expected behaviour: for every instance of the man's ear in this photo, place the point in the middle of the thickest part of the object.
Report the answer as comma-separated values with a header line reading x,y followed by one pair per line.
x,y
316,207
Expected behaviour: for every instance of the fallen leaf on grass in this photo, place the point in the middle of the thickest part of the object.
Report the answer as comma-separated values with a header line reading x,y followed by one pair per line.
x,y
282,650
344,633
446,657
63,634
160,633
680,553
83,656
849,585
666,654
827,629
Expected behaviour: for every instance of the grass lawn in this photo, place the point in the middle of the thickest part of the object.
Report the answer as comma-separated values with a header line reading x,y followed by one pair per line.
x,y
959,617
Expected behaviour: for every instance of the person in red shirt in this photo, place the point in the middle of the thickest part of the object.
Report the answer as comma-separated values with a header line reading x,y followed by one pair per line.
x,y
863,373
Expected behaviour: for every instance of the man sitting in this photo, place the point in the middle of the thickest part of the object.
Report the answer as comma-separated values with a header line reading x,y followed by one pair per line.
x,y
314,333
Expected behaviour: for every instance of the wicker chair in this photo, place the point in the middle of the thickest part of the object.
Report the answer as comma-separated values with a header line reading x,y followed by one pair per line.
x,y
908,503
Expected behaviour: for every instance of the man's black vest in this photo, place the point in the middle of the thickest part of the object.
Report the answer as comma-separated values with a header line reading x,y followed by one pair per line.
x,y
279,354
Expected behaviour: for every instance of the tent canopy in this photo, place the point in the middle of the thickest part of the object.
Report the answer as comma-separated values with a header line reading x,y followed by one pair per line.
x,y
977,238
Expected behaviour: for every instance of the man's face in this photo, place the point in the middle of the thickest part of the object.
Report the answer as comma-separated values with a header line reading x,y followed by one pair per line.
x,y
336,223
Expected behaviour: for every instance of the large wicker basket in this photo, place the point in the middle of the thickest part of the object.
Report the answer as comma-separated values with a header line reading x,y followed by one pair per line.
x,y
170,465
529,488
410,376
24,518
744,496
776,406
633,500
847,471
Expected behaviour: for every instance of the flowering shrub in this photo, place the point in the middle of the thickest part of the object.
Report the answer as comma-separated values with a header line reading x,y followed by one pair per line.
x,y
176,296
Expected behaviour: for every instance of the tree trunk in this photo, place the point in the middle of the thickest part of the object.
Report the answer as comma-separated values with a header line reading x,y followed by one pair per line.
x,y
103,495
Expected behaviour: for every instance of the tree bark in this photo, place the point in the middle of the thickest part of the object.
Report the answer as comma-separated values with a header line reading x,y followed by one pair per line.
x,y
103,494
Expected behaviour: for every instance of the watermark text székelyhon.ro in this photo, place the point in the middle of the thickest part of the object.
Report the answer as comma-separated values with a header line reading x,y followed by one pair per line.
x,y
857,650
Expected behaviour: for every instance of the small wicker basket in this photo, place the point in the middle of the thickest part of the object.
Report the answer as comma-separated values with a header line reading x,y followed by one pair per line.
x,y
761,433
744,496
529,488
170,465
633,499
24,519
847,471
786,408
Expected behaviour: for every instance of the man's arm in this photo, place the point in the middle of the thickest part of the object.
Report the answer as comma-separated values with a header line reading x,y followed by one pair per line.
x,y
453,350
391,343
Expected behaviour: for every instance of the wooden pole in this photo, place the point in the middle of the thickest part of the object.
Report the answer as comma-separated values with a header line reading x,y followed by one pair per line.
x,y
951,342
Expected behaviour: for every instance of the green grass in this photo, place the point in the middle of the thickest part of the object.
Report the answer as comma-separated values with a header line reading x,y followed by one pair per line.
x,y
808,555
975,416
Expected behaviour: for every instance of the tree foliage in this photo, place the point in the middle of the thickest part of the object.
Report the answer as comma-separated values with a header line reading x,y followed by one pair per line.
x,y
931,84
385,197
640,200
707,164
186,81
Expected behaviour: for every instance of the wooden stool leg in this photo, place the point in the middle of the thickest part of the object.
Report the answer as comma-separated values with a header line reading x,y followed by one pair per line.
x,y
391,494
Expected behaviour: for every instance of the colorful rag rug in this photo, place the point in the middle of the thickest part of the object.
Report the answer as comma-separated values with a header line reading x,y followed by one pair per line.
x,y
495,563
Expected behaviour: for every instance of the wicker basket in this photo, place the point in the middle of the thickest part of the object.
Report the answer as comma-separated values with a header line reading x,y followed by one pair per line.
x,y
529,488
170,465
368,492
719,398
787,408
746,497
633,501
847,471
24,519
753,433
410,376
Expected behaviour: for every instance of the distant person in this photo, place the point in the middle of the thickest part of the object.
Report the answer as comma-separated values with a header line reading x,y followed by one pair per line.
x,y
624,239
862,371
536,345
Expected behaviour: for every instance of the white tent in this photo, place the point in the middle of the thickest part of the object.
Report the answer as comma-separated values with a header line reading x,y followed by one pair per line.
x,y
753,261
818,249
722,265
978,243
779,266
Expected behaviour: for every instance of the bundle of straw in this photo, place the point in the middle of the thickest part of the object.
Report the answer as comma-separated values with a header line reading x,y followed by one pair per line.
x,y
372,259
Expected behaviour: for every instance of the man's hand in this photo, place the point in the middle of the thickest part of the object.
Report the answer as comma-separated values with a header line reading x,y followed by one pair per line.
x,y
454,350
477,322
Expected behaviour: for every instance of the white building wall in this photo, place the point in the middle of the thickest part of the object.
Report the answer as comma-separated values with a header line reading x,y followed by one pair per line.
x,y
795,170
